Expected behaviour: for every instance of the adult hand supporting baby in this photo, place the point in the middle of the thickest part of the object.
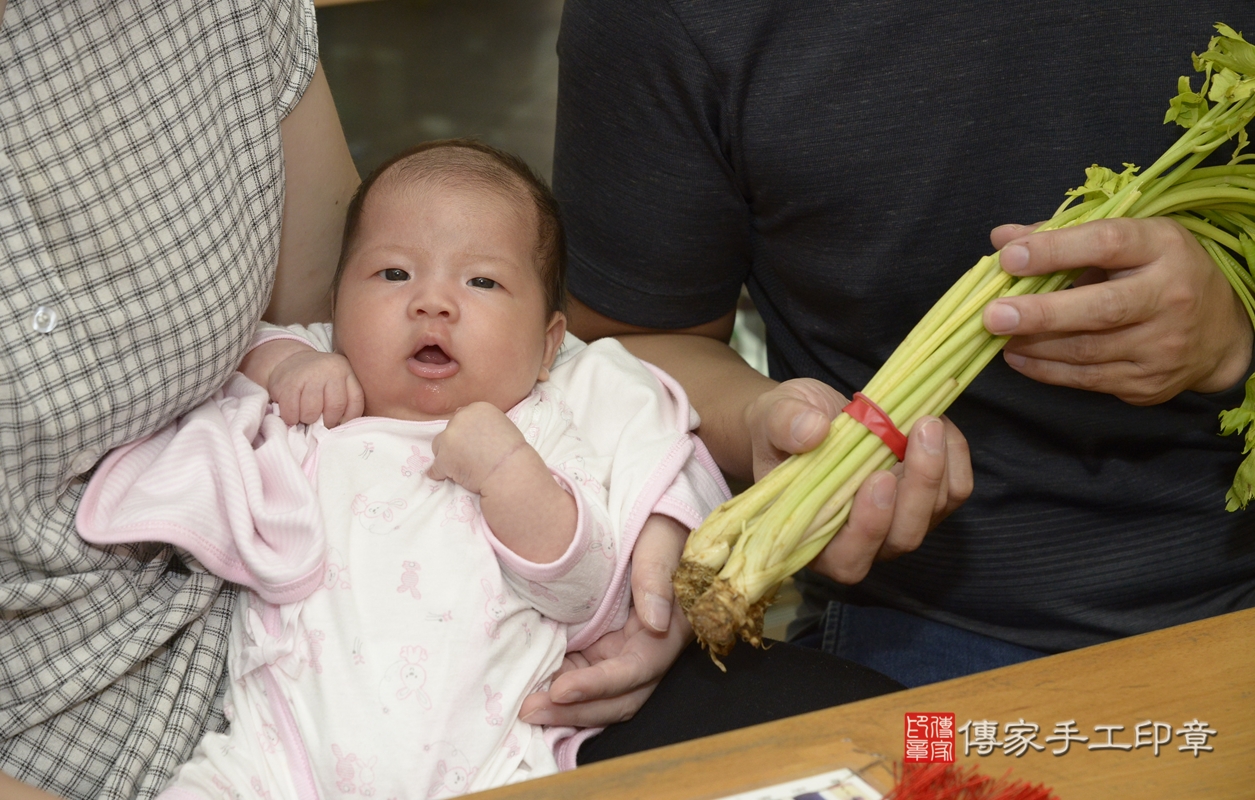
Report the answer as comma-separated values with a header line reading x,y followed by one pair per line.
x,y
612,678
1151,317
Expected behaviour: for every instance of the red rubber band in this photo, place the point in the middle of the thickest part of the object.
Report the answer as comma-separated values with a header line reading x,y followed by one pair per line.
x,y
877,421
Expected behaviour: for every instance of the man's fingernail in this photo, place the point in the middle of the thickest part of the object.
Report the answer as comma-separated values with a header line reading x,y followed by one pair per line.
x,y
806,425
535,717
1014,258
569,696
884,493
656,612
1002,318
1014,359
932,437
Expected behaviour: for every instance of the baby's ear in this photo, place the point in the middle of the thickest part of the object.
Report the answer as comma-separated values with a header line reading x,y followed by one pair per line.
x,y
553,340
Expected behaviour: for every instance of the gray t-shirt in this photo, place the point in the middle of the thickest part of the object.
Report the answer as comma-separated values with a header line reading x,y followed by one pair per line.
x,y
846,162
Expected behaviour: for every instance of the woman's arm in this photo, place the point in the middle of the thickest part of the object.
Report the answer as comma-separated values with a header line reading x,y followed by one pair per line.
x,y
11,788
320,181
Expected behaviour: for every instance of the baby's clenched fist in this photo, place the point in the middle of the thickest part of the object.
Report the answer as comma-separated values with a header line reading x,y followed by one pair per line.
x,y
309,384
479,445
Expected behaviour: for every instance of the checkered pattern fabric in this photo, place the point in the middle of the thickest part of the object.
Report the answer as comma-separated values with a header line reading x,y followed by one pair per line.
x,y
141,190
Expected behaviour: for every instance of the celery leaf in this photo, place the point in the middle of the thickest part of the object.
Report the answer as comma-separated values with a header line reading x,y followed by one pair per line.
x,y
1237,420
1187,107
1229,50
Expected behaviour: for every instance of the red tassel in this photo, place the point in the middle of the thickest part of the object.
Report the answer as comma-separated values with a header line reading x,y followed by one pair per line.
x,y
923,781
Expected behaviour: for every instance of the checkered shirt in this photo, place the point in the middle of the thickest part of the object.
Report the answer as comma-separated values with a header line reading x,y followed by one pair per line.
x,y
141,190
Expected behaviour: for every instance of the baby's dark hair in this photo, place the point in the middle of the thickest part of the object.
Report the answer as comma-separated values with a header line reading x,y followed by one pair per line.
x,y
470,162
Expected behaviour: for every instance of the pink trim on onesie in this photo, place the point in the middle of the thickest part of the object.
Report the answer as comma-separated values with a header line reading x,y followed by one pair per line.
x,y
565,741
290,736
655,488
647,502
267,336
289,733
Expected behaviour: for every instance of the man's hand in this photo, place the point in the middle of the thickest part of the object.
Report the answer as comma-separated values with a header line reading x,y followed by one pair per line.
x,y
1152,316
613,677
894,509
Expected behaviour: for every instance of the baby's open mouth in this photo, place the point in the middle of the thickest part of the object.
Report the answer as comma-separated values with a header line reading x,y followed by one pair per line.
x,y
433,363
432,354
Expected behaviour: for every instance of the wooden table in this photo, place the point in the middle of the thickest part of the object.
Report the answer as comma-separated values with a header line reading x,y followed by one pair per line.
x,y
1204,670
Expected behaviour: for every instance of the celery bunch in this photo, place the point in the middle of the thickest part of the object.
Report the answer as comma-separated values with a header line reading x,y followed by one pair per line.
x,y
735,561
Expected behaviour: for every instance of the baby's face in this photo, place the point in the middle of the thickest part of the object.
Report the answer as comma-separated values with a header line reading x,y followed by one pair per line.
x,y
440,303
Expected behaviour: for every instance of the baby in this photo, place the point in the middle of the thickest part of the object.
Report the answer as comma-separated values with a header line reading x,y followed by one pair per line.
x,y
467,530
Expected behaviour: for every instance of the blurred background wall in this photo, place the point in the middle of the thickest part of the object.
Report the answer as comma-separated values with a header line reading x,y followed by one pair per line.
x,y
404,71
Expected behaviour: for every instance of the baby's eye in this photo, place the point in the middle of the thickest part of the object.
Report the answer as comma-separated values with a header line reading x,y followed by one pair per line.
x,y
481,283
395,275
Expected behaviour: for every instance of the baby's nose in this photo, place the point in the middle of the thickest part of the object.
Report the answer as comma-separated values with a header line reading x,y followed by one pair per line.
x,y
435,303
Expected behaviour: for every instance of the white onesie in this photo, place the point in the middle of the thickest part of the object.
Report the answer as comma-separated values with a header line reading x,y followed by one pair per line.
x,y
402,673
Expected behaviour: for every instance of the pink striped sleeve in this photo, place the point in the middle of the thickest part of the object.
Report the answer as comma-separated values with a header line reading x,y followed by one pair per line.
x,y
222,483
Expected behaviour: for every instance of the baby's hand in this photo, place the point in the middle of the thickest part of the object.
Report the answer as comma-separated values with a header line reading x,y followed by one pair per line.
x,y
479,445
485,453
309,384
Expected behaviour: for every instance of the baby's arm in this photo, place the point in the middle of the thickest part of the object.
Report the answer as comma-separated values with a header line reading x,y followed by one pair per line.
x,y
526,509
306,383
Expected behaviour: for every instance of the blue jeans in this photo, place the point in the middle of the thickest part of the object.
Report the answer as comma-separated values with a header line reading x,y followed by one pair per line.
x,y
912,650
